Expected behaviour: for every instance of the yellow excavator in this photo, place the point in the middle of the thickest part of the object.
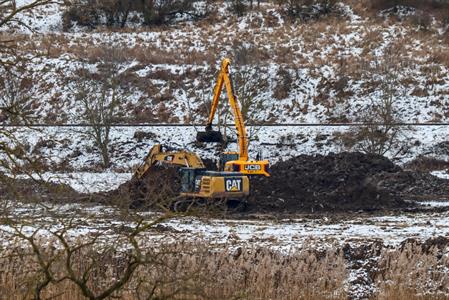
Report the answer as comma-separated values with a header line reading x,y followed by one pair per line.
x,y
232,161
197,183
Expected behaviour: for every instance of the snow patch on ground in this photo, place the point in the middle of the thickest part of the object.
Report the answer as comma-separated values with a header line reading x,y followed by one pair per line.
x,y
284,235
72,147
441,174
85,182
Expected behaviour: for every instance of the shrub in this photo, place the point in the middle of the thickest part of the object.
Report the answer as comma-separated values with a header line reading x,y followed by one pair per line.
x,y
426,164
82,15
307,9
438,7
284,84
238,7
422,20
115,13
433,4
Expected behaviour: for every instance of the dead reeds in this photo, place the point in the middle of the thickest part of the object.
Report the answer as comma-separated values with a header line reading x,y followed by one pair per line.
x,y
200,270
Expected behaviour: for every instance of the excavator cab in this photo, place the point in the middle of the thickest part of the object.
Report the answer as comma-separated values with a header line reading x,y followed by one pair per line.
x,y
189,180
226,157
201,183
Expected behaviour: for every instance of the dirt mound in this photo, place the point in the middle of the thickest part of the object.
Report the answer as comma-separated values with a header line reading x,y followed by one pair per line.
x,y
157,189
426,164
303,184
36,190
413,185
336,182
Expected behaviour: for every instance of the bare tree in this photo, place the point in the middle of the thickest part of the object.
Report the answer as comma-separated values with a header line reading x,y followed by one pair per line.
x,y
91,13
307,9
9,12
101,97
380,133
249,85
16,99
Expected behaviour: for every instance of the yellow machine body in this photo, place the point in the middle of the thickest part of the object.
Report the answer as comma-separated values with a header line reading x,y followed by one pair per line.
x,y
242,163
196,181
220,186
157,156
231,163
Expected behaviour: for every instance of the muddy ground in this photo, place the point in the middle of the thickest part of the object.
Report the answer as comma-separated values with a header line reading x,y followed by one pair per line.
x,y
342,182
308,184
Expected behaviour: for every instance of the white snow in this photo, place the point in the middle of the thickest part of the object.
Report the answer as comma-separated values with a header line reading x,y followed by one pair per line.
x,y
283,235
441,174
85,182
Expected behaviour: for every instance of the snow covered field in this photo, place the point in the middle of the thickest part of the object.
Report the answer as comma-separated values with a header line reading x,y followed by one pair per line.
x,y
287,235
85,182
311,72
252,230
321,68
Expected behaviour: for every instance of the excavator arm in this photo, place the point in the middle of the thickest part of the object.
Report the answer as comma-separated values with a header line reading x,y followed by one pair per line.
x,y
242,164
224,79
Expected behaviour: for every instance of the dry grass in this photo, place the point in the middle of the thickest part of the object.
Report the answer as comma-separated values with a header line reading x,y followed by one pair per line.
x,y
187,271
195,271
302,39
414,272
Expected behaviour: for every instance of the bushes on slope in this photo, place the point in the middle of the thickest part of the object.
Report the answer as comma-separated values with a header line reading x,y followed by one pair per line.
x,y
116,13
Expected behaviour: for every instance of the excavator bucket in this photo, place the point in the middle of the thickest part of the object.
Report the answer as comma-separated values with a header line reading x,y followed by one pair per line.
x,y
209,136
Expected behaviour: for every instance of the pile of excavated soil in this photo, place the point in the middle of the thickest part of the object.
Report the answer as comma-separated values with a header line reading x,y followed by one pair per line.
x,y
36,190
336,182
414,185
303,184
157,189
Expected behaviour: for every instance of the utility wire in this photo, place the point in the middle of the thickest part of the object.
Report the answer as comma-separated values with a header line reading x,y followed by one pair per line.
x,y
199,125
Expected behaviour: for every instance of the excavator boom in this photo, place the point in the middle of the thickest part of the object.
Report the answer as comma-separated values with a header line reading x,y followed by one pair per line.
x,y
170,158
241,164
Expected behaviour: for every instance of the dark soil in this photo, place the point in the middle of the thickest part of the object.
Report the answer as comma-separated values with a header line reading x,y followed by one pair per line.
x,y
414,185
158,189
30,190
336,182
426,164
344,182
341,182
